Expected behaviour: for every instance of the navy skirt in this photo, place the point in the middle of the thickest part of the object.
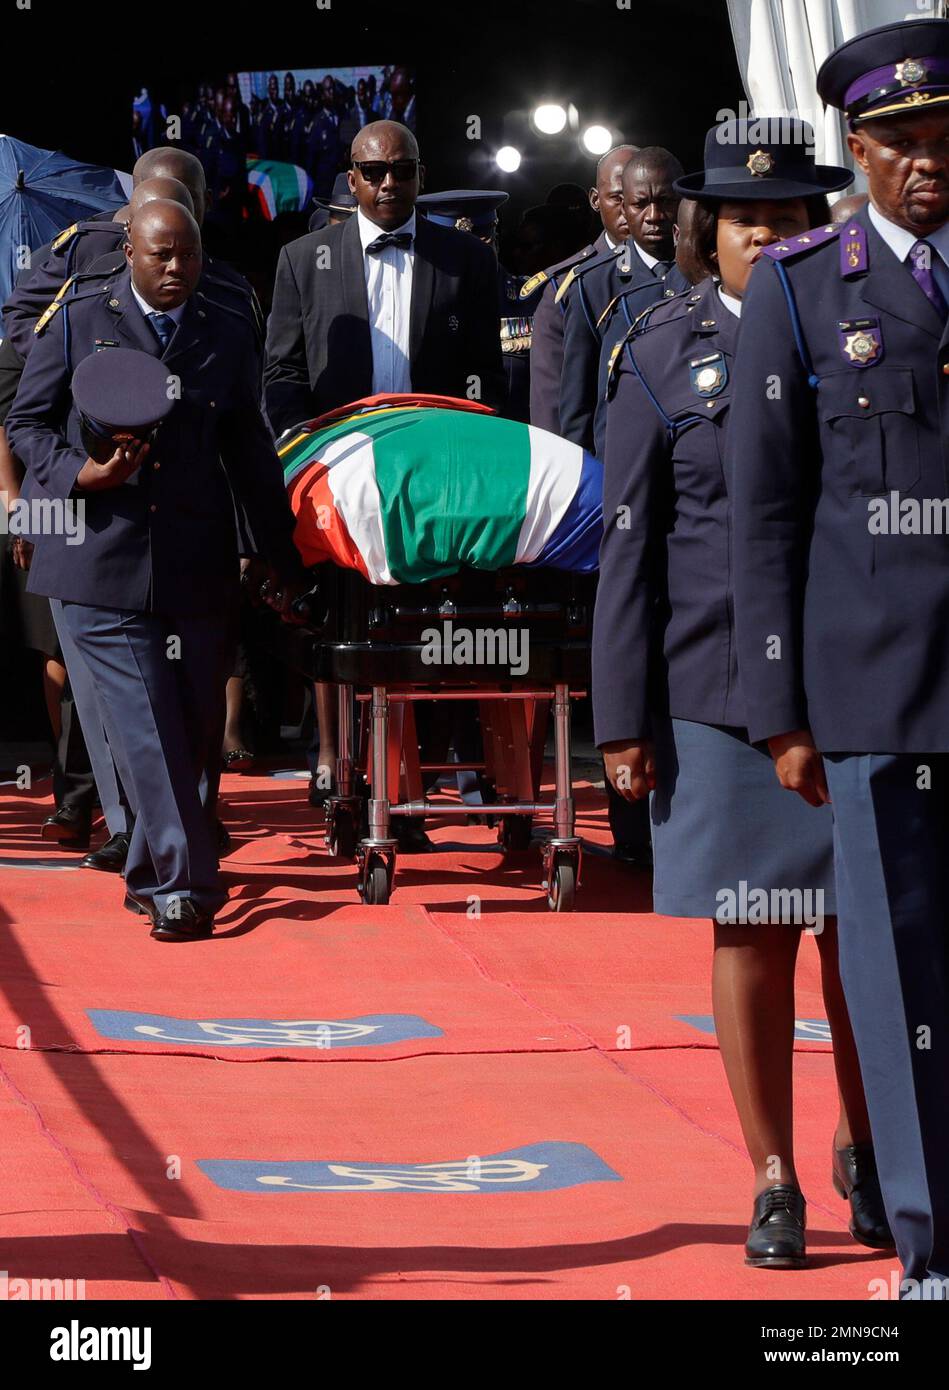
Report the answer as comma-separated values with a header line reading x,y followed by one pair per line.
x,y
728,841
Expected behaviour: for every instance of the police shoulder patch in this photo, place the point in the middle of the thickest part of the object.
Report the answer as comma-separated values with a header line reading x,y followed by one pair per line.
x,y
805,241
534,283
64,236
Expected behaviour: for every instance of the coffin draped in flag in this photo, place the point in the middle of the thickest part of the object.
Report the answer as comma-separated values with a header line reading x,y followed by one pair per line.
x,y
409,488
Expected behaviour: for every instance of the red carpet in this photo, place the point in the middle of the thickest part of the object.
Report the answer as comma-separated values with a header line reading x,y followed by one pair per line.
x,y
459,1095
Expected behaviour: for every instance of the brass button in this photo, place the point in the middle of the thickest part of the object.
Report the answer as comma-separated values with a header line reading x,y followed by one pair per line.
x,y
211,404
863,401
709,405
708,323
945,368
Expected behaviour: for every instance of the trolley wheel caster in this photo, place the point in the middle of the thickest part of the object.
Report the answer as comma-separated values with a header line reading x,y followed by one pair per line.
x,y
374,882
562,885
514,834
344,834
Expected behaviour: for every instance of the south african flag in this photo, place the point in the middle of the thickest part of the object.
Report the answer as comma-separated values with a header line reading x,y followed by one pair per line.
x,y
409,488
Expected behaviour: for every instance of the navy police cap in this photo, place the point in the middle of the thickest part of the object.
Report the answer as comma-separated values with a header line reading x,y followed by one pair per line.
x,y
468,209
893,70
769,157
120,389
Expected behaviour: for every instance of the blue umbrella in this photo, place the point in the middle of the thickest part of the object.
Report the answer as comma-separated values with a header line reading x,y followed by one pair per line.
x,y
41,192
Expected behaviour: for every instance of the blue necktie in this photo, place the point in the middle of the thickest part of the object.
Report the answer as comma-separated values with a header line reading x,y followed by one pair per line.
x,y
164,326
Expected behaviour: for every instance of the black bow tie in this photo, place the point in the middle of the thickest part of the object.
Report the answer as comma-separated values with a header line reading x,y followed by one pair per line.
x,y
403,239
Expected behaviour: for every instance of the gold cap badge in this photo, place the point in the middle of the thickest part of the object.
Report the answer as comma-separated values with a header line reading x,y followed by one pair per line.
x,y
760,163
911,72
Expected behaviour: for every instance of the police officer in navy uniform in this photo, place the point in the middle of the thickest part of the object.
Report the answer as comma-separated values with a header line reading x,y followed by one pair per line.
x,y
113,797
646,267
668,705
97,245
150,595
606,199
839,454
476,210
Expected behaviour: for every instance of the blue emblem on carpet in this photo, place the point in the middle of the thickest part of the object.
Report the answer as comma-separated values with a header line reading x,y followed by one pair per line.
x,y
534,1168
372,1030
805,1029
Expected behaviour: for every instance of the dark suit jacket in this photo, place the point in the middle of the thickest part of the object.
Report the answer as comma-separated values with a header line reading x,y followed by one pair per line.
x,y
814,457
166,539
319,354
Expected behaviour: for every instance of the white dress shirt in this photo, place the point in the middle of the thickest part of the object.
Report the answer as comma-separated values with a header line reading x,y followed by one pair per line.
x,y
389,290
901,242
651,261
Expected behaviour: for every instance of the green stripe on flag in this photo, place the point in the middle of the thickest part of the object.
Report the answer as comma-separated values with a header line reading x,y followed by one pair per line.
x,y
450,484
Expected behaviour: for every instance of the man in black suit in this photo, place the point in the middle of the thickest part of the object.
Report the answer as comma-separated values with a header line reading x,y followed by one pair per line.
x,y
380,303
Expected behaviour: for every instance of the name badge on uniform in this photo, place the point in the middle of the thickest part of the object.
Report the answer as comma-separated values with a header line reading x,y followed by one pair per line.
x,y
709,374
861,341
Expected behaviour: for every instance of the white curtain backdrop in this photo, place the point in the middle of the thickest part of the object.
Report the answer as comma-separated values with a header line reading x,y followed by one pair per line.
x,y
782,43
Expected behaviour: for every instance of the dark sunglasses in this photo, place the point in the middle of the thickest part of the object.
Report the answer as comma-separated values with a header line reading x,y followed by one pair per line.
x,y
375,170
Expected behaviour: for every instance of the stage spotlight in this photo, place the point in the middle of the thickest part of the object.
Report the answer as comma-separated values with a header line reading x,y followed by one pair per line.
x,y
550,118
508,159
597,139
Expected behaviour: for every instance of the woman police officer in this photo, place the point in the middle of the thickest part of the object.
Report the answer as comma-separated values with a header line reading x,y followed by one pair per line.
x,y
728,842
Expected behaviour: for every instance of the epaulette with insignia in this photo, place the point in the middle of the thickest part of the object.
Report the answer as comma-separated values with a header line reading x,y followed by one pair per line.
x,y
542,276
534,283
806,241
79,292
585,267
64,237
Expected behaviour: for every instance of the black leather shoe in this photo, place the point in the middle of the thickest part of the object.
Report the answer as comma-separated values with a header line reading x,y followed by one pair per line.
x,y
68,827
636,856
109,858
143,906
191,923
222,839
855,1177
776,1234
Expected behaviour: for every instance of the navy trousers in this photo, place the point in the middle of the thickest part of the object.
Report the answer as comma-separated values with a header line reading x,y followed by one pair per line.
x,y
891,847
109,783
160,683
